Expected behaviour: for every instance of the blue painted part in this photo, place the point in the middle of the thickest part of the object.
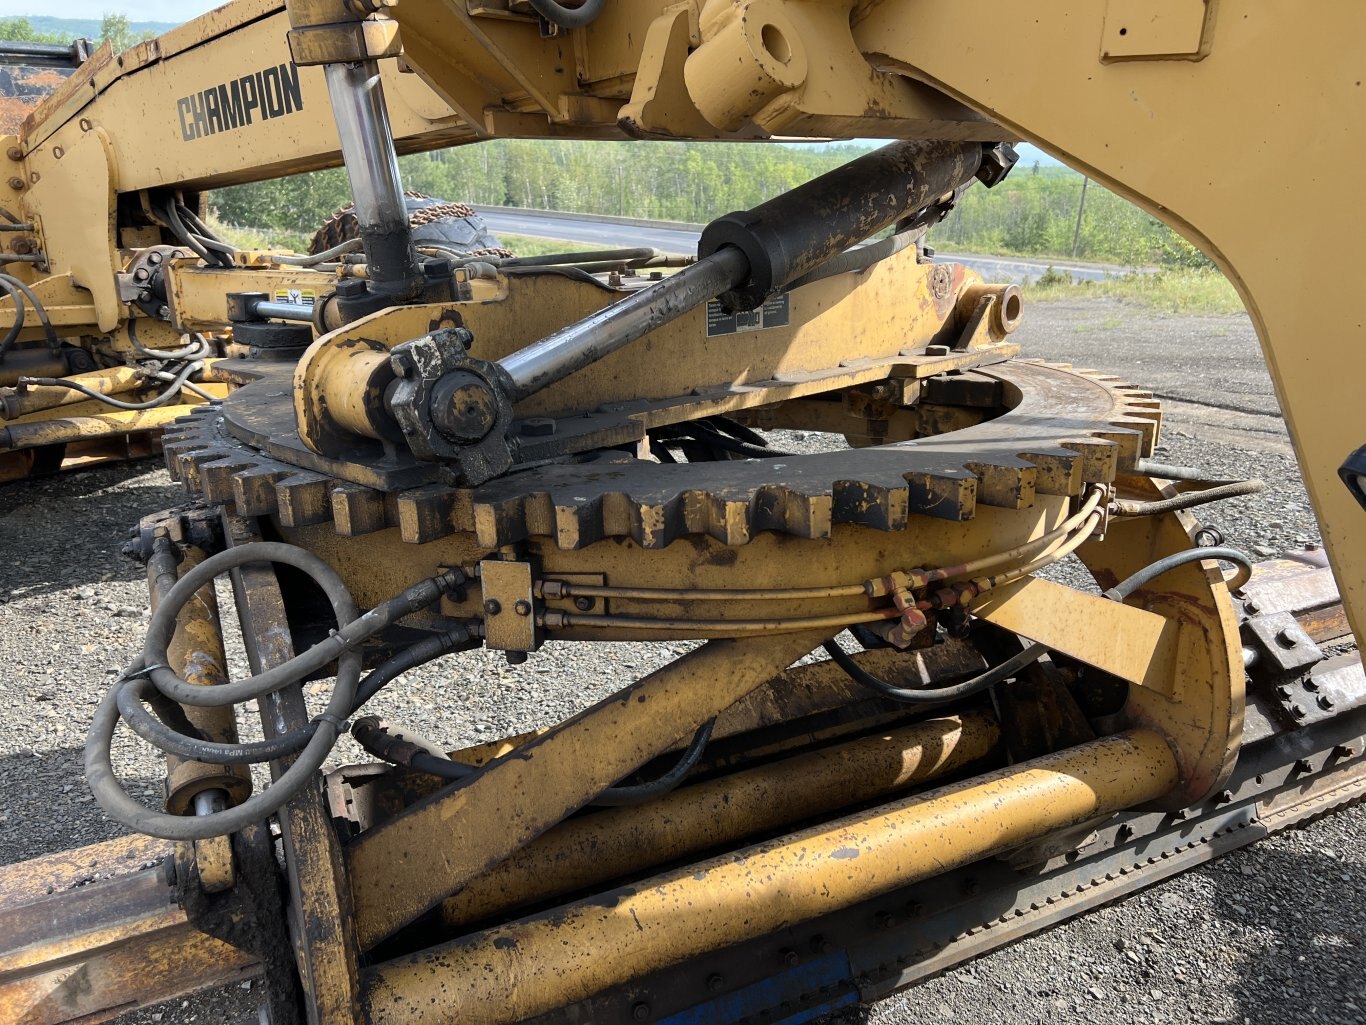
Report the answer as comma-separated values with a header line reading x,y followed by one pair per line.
x,y
768,995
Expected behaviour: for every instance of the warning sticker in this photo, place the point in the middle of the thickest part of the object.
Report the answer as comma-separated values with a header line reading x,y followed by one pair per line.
x,y
296,296
774,313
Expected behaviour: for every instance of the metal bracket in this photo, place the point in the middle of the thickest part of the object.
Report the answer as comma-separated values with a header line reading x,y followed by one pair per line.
x,y
1157,30
421,365
509,610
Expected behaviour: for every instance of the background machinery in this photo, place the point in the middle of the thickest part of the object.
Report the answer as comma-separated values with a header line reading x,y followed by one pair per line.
x,y
449,448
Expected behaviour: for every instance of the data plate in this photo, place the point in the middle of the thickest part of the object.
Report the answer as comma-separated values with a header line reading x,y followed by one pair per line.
x,y
774,313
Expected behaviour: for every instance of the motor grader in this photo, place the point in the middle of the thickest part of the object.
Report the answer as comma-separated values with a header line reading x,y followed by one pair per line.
x,y
445,449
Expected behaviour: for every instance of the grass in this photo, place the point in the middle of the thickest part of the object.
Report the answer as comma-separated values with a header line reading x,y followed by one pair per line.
x,y
526,245
258,238
297,241
1182,290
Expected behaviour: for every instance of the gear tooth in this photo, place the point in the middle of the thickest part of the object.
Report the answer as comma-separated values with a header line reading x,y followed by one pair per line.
x,y
945,495
1057,472
783,508
618,514
693,512
1131,446
657,524
498,523
189,463
728,520
579,524
302,499
535,515
253,490
881,506
1146,428
1006,487
215,476
1099,458
170,454
358,510
424,513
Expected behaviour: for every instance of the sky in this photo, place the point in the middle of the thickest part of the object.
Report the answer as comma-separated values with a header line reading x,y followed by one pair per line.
x,y
137,10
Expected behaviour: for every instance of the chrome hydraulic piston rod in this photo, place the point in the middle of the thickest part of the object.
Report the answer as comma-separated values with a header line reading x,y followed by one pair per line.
x,y
367,146
750,255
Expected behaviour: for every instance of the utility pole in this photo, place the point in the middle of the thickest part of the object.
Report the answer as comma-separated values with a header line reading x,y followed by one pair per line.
x,y
1081,205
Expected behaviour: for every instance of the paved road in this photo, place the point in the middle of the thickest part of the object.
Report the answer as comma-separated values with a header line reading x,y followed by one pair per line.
x,y
609,232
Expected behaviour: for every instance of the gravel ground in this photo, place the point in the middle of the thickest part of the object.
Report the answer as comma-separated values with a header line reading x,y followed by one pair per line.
x,y
1273,934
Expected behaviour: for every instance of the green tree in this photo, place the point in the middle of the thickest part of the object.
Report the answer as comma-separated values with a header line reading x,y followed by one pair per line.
x,y
19,30
115,30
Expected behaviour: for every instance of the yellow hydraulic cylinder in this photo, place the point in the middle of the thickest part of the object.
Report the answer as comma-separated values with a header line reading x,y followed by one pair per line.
x,y
83,428
409,865
607,845
525,968
114,381
196,655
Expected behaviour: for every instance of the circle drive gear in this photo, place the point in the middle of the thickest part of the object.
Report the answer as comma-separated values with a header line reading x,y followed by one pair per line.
x,y
1063,430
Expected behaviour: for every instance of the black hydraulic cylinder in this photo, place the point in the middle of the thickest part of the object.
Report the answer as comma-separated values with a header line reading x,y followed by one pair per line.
x,y
45,55
746,257
795,232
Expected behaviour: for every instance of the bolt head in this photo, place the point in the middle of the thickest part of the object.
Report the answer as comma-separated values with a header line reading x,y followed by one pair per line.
x,y
715,982
522,607
641,1011
583,603
538,426
493,606
463,407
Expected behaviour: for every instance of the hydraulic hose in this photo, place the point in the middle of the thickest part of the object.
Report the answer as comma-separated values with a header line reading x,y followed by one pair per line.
x,y
341,647
639,793
401,747
1187,499
38,308
352,629
349,246
169,730
99,770
1151,572
859,258
567,17
178,382
17,298
935,695
197,349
